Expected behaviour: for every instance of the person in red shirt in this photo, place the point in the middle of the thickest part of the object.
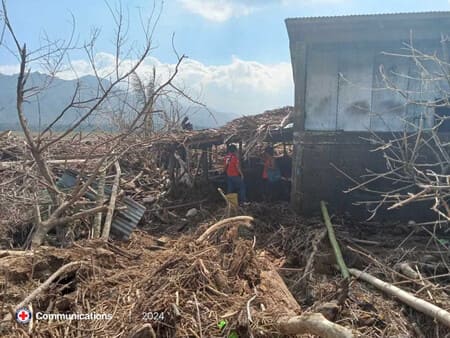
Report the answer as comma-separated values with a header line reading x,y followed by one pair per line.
x,y
235,177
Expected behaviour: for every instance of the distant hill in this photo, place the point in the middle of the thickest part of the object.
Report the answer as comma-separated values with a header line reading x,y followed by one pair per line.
x,y
51,102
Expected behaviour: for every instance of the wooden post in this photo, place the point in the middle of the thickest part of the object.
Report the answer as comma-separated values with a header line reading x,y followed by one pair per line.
x,y
112,203
299,56
97,228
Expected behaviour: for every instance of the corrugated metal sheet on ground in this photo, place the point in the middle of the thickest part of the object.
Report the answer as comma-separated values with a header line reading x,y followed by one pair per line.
x,y
124,221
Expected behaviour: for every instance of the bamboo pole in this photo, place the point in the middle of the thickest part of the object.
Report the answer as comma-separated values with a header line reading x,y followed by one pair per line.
x,y
333,241
418,304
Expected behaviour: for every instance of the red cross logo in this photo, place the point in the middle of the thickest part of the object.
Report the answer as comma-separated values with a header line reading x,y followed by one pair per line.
x,y
23,315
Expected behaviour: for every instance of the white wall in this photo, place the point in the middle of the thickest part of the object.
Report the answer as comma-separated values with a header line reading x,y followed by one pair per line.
x,y
345,91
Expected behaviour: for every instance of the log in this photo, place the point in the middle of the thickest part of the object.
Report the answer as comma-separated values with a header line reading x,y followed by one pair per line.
x,y
245,220
416,303
333,241
278,299
313,323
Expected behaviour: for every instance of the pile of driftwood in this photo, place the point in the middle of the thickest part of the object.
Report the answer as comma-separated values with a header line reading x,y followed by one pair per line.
x,y
26,199
248,129
402,286
208,284
284,276
275,275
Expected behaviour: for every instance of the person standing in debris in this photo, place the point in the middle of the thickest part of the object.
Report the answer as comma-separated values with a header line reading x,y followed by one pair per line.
x,y
235,177
271,175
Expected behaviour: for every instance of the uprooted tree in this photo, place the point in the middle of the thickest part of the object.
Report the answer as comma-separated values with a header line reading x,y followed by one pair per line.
x,y
115,86
417,158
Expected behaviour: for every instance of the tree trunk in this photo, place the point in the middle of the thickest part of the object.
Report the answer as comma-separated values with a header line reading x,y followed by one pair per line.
x,y
278,299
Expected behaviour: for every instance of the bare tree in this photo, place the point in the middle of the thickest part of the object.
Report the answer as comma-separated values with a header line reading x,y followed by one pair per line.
x,y
54,55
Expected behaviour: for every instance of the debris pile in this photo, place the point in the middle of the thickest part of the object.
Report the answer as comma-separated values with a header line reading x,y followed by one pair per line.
x,y
188,269
209,285
248,129
221,281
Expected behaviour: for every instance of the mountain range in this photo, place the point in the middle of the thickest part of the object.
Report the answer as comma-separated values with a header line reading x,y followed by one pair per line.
x,y
44,108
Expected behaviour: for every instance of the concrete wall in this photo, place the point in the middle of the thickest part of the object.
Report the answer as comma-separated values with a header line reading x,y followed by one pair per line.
x,y
317,179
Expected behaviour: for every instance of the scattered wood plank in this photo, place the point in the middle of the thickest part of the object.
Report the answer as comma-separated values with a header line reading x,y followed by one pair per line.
x,y
112,203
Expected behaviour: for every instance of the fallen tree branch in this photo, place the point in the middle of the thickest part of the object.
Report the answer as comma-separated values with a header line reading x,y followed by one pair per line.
x,y
333,241
313,323
416,303
43,286
276,295
244,220
14,164
44,227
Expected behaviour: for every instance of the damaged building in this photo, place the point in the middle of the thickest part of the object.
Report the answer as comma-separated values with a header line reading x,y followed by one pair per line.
x,y
341,100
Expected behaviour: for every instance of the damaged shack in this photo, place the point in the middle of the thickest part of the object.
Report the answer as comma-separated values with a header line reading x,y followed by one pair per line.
x,y
193,156
341,99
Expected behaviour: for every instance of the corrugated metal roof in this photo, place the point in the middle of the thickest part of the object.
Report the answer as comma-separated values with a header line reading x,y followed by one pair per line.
x,y
430,14
124,221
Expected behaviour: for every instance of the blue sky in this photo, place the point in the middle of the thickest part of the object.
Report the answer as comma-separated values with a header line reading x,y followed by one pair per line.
x,y
238,49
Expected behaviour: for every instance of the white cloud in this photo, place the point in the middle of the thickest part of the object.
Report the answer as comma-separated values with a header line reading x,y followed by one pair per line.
x,y
219,10
9,69
243,87
223,10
